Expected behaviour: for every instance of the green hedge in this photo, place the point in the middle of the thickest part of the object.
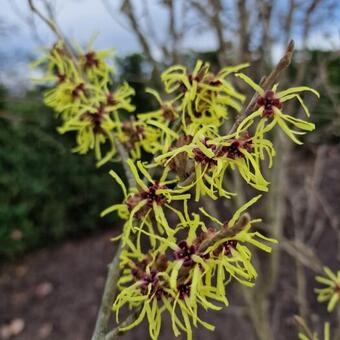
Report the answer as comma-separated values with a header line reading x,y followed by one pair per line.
x,y
46,192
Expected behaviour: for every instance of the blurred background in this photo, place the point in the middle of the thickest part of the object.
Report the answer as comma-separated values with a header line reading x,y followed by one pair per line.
x,y
54,247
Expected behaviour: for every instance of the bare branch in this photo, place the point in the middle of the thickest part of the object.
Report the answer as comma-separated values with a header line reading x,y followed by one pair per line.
x,y
50,22
104,313
300,322
226,232
243,30
172,30
46,20
216,23
110,11
110,289
28,20
128,10
265,8
288,24
304,254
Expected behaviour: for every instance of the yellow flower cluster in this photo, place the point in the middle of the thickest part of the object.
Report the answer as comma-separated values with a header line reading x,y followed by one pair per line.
x,y
88,103
178,276
212,157
204,262
189,262
199,98
147,203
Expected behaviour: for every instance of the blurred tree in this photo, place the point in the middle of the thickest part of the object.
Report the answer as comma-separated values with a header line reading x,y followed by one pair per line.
x,y
3,96
134,69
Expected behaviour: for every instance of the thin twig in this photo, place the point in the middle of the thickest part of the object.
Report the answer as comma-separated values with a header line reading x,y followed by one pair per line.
x,y
128,9
55,29
304,254
124,157
226,232
104,312
45,19
110,289
300,322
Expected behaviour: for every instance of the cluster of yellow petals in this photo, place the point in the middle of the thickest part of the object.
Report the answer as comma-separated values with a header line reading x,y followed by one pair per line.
x,y
192,158
194,279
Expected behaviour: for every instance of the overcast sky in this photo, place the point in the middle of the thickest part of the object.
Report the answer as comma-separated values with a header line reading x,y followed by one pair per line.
x,y
79,19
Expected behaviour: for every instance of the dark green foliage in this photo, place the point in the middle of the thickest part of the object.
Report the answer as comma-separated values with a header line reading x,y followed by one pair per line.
x,y
327,109
3,95
46,192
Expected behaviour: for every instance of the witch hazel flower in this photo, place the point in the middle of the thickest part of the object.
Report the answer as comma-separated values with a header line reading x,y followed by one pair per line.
x,y
204,96
269,105
212,157
148,201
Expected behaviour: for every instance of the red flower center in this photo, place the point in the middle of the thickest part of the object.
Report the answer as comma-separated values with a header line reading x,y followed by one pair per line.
x,y
151,194
185,252
233,150
184,290
229,246
78,90
96,118
91,60
269,101
134,132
